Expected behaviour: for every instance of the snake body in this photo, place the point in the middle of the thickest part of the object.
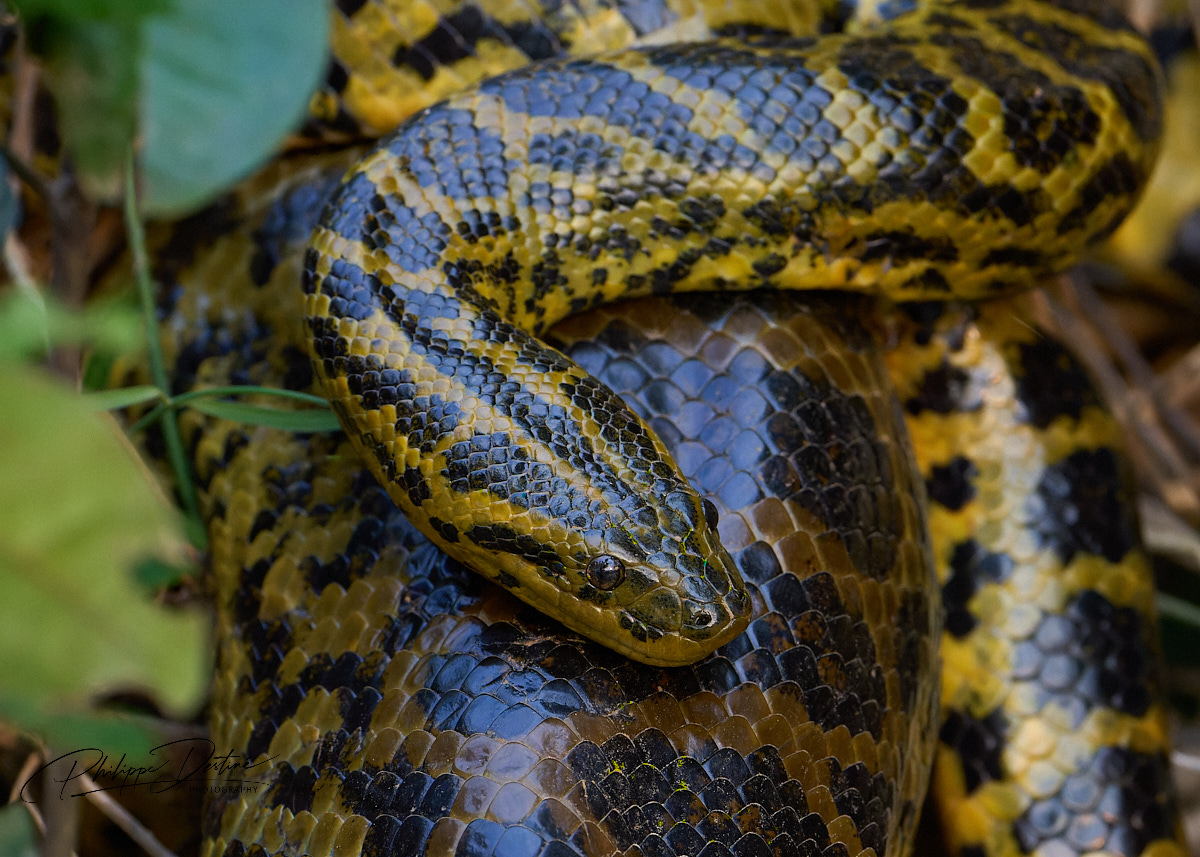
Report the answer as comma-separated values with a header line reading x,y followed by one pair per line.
x,y
974,144
395,703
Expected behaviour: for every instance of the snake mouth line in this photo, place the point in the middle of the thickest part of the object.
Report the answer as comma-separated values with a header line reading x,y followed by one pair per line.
x,y
623,630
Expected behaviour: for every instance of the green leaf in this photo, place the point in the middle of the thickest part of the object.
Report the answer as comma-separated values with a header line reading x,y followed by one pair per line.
x,y
24,325
222,82
98,370
154,574
76,513
301,421
107,400
71,727
17,836
28,325
252,390
81,10
208,88
92,70
107,324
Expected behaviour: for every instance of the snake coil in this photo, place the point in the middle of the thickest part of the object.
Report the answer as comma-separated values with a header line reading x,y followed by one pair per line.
x,y
745,517
964,150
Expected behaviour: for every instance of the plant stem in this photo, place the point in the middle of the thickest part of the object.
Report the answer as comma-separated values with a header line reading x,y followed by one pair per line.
x,y
1179,609
182,399
158,368
209,392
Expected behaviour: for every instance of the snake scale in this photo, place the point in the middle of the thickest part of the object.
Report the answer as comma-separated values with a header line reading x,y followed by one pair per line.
x,y
724,481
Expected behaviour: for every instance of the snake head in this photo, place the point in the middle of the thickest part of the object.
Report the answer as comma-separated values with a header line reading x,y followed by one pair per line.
x,y
667,592
643,574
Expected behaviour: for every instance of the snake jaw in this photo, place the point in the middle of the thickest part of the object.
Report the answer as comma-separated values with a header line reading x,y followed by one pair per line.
x,y
641,618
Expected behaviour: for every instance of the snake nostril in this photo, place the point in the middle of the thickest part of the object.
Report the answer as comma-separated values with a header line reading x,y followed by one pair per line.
x,y
605,572
711,516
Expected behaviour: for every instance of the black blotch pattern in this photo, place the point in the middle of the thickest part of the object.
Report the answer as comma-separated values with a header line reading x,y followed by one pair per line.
x,y
945,389
927,318
979,744
1051,383
457,36
1092,655
1044,120
287,224
1120,177
900,247
1083,503
1116,801
243,341
504,539
971,567
190,237
922,106
1018,257
535,39
451,40
336,78
1127,75
647,795
950,484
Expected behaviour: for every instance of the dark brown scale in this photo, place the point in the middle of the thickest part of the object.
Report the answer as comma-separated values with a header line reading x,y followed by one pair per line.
x,y
508,672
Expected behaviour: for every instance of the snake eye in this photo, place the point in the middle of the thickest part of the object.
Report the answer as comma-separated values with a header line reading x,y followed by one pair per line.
x,y
711,515
605,572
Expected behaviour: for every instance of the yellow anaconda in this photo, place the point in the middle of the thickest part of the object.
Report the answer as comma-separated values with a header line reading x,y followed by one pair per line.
x,y
966,149
391,702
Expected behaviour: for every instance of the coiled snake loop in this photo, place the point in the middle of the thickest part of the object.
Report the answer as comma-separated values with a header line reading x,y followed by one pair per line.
x,y
745,519
965,150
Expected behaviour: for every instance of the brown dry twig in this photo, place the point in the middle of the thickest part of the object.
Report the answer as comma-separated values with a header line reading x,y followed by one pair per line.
x,y
123,819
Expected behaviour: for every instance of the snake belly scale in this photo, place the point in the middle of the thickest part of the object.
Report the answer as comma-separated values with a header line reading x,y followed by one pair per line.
x,y
397,704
